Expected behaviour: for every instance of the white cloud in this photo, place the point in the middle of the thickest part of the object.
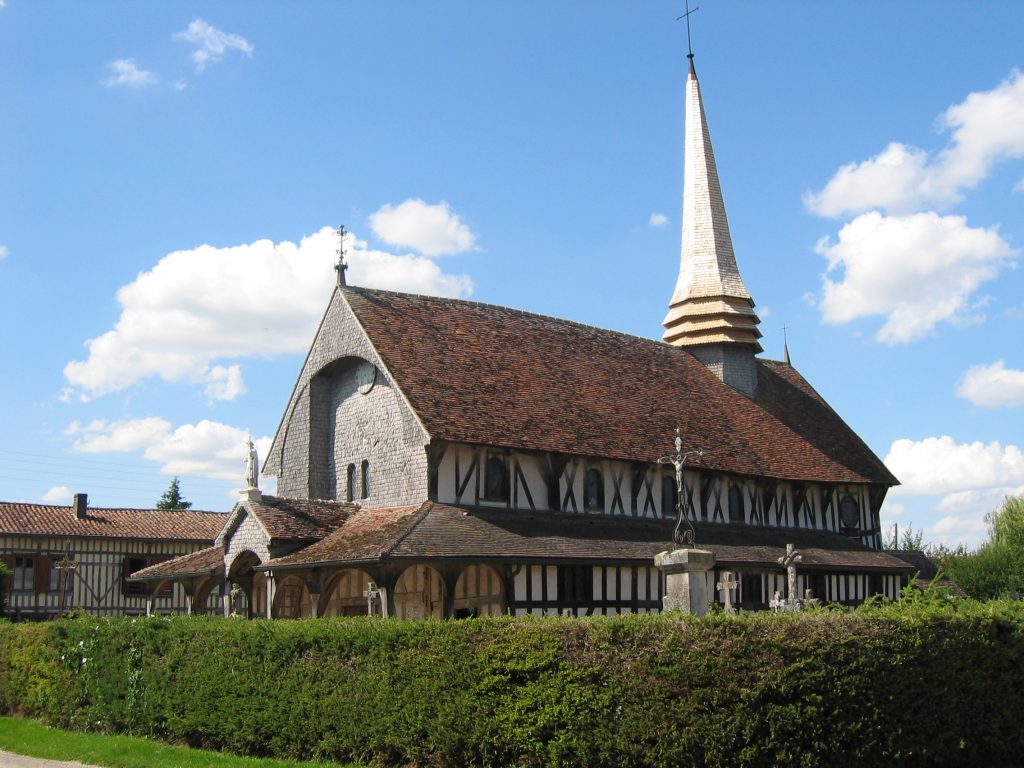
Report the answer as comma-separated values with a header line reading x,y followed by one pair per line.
x,y
992,386
657,220
916,271
59,494
3,252
433,230
211,43
985,129
197,308
125,72
939,465
207,449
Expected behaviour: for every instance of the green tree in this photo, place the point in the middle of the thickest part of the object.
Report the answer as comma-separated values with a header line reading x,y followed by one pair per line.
x,y
172,498
996,569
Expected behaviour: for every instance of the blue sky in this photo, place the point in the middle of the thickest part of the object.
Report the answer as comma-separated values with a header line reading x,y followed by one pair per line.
x,y
171,175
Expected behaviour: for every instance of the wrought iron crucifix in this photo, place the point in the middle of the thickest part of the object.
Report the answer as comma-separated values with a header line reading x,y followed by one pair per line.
x,y
686,16
341,266
683,534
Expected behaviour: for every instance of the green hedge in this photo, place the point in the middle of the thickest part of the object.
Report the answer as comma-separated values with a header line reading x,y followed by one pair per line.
x,y
892,686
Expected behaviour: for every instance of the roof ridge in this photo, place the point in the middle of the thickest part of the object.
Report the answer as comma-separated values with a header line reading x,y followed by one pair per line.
x,y
421,513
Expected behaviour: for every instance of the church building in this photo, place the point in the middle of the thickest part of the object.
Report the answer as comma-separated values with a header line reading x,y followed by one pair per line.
x,y
445,458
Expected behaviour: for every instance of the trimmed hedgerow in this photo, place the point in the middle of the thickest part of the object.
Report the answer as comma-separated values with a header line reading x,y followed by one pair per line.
x,y
918,685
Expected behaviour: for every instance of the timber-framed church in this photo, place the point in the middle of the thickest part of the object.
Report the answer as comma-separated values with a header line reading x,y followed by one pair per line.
x,y
445,458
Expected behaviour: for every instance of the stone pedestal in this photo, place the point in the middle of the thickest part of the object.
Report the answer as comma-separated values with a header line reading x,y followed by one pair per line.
x,y
686,582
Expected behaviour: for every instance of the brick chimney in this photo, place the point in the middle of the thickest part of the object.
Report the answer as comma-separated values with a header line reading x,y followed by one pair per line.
x,y
81,505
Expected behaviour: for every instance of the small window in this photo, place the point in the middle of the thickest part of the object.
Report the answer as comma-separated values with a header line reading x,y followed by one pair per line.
x,y
849,513
365,477
350,483
736,505
593,490
134,588
24,577
752,590
669,496
496,478
575,584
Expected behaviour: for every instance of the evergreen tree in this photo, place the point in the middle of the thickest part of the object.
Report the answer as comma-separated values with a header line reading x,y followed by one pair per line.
x,y
172,498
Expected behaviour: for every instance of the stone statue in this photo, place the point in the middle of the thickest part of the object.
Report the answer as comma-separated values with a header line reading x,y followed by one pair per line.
x,y
252,466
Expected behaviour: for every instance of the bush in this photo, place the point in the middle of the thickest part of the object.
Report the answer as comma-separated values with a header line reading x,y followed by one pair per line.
x,y
934,683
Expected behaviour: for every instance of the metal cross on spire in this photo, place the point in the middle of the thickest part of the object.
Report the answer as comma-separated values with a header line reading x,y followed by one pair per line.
x,y
341,266
683,534
785,344
689,45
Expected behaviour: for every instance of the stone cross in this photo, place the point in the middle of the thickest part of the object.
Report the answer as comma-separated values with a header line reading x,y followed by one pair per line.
x,y
789,561
372,593
725,588
777,604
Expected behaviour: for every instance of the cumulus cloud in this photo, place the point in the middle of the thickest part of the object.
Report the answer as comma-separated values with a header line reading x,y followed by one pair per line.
x,y
657,220
196,309
433,230
211,44
59,494
125,72
916,271
3,252
207,449
992,386
984,129
954,485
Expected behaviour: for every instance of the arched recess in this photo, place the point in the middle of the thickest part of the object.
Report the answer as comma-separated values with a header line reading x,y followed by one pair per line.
x,y
480,591
207,597
345,594
419,593
292,599
251,599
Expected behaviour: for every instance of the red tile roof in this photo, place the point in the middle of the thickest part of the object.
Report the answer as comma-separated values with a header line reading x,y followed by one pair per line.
x,y
478,373
205,562
443,531
101,522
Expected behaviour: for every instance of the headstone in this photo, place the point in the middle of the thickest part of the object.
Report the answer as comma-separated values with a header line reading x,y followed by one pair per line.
x,y
686,583
725,588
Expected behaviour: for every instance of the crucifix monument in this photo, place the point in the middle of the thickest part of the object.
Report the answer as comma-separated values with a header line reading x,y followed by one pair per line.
x,y
725,588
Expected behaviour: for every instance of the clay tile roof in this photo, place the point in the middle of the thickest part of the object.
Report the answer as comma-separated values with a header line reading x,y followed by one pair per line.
x,y
369,534
478,373
439,530
101,522
299,519
205,562
927,572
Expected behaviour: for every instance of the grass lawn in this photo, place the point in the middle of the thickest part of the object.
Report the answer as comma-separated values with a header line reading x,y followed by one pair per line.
x,y
28,737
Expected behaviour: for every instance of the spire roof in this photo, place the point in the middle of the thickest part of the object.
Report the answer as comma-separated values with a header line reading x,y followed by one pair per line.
x,y
711,304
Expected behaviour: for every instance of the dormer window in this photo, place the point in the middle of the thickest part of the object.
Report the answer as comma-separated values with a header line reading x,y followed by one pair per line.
x,y
496,478
593,490
736,504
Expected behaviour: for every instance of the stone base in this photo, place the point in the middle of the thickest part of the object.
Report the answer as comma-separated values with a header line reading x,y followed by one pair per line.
x,y
250,494
686,583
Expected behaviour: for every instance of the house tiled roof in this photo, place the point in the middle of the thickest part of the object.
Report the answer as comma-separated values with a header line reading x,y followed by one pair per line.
x,y
443,531
299,519
149,524
927,572
205,562
489,375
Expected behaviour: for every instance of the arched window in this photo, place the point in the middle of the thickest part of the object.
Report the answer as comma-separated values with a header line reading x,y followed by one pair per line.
x,y
496,478
365,486
350,483
593,490
849,513
669,495
736,504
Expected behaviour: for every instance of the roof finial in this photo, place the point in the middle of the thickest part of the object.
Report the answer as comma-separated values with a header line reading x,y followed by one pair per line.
x,y
341,266
689,45
785,346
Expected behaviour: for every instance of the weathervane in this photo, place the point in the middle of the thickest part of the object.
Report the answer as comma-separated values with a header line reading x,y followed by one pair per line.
x,y
683,534
686,16
341,266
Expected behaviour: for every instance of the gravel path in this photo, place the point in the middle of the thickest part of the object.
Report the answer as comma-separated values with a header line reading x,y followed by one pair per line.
x,y
11,760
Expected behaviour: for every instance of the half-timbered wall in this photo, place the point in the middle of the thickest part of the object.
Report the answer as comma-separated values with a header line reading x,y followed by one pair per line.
x,y
557,483
97,585
584,590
